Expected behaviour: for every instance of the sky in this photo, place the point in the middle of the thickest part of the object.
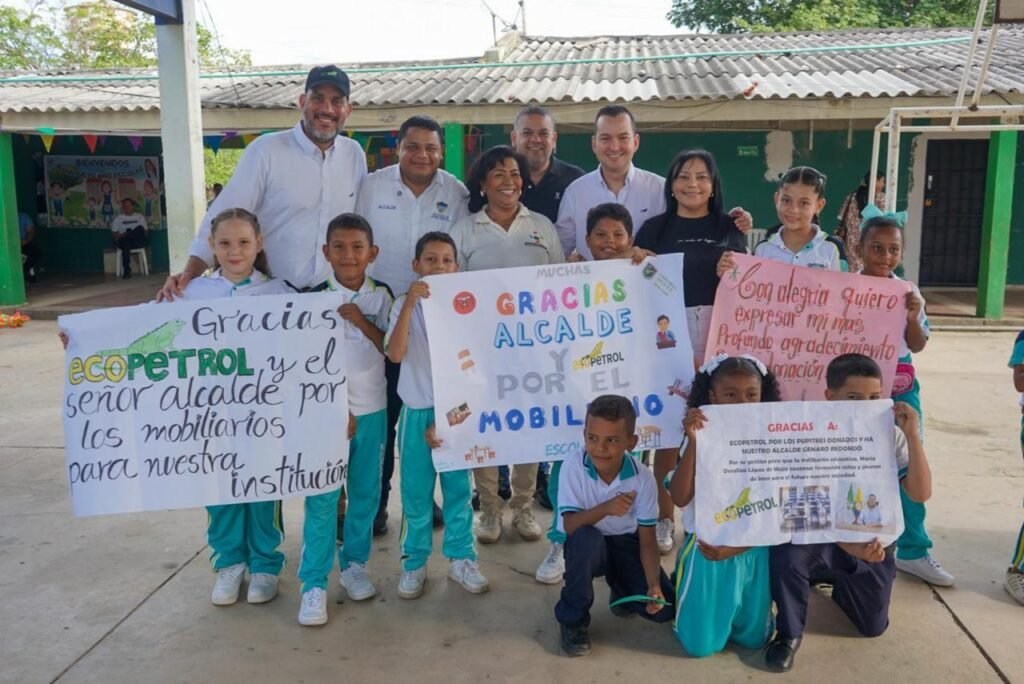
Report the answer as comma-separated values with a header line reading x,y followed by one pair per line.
x,y
346,31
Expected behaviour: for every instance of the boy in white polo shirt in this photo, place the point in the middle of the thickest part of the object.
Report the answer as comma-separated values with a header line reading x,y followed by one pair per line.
x,y
608,503
365,307
406,343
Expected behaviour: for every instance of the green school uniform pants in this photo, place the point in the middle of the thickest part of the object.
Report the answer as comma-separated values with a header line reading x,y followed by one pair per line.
x,y
914,542
417,487
246,533
362,484
555,536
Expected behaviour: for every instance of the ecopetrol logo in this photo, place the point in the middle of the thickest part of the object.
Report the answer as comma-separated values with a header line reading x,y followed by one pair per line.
x,y
744,508
152,355
597,357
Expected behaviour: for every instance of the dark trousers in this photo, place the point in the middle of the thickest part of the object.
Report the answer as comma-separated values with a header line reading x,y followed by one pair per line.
x,y
391,371
861,589
590,554
32,253
133,239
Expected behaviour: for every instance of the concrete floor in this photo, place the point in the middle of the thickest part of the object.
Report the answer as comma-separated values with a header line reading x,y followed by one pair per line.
x,y
126,598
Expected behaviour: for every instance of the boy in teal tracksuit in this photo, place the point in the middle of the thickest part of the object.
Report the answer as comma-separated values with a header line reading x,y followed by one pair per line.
x,y
406,343
365,307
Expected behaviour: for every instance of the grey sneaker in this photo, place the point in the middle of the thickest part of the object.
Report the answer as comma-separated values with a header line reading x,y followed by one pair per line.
x,y
410,586
467,573
488,528
228,584
356,582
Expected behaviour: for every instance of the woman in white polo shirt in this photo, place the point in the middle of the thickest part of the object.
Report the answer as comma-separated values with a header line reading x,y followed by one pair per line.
x,y
500,233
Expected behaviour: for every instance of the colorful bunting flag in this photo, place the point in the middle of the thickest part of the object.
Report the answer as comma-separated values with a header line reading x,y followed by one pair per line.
x,y
90,142
135,141
248,138
47,141
213,142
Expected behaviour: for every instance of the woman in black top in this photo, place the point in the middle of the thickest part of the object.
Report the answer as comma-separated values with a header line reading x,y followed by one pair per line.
x,y
694,223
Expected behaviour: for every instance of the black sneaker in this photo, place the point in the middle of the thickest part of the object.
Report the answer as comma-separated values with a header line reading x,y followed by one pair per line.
x,y
542,499
779,653
380,524
505,491
475,501
127,275
438,517
341,529
575,640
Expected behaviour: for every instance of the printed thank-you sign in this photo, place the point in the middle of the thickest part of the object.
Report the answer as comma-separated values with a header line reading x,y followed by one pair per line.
x,y
204,402
518,353
806,472
797,319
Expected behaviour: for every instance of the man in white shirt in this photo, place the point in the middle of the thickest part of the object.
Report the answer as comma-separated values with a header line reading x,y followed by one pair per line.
x,y
403,202
615,141
295,181
128,230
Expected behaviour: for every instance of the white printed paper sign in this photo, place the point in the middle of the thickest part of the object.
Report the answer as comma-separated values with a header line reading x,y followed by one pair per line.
x,y
204,402
518,353
801,472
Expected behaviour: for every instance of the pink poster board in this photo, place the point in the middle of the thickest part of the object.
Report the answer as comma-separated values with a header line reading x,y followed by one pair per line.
x,y
797,319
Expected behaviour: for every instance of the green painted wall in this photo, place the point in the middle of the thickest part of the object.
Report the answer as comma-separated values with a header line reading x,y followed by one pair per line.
x,y
77,249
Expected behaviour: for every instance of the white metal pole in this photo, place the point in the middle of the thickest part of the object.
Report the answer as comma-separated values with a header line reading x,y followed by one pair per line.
x,y
181,131
875,149
892,173
969,62
983,74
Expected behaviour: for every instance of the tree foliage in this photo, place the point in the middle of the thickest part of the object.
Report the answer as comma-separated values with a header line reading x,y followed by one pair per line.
x,y
220,166
50,34
737,16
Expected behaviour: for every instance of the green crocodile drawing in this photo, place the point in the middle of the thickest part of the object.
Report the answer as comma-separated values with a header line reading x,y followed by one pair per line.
x,y
157,340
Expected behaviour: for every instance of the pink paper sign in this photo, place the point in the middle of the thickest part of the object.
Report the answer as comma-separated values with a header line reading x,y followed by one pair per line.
x,y
797,319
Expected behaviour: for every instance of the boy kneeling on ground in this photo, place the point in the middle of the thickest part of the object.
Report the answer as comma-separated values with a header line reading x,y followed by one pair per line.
x,y
861,574
608,503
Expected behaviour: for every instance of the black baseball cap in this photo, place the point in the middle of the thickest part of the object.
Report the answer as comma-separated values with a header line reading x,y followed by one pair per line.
x,y
329,74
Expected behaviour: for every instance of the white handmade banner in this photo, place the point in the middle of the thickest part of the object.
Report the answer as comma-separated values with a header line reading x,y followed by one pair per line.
x,y
801,472
518,353
204,402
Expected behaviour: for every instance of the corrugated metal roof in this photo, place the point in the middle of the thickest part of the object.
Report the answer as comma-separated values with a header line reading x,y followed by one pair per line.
x,y
769,66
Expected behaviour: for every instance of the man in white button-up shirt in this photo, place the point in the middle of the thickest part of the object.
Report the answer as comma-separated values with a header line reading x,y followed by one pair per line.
x,y
406,201
295,181
614,143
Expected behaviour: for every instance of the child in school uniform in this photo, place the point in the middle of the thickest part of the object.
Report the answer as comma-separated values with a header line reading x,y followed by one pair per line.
x,y
881,251
609,236
366,305
722,593
406,343
1014,580
245,535
608,508
862,574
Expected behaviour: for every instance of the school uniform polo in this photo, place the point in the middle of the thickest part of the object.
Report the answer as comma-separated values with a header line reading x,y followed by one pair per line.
x,y
367,401
609,548
643,195
820,252
124,224
482,244
415,383
295,189
215,286
399,218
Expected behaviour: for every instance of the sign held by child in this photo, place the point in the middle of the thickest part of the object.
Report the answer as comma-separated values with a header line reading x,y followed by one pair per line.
x,y
205,402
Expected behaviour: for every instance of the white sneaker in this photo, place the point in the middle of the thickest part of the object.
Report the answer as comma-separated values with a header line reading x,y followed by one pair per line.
x,y
926,568
262,587
552,569
488,528
356,582
525,524
467,573
410,586
229,582
313,610
1014,585
664,531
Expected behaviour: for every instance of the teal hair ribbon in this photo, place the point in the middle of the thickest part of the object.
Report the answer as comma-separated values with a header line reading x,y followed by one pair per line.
x,y
871,211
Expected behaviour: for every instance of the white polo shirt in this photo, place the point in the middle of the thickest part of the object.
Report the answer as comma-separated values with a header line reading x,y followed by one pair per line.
x,y
399,218
581,488
215,286
123,223
295,190
922,318
367,386
818,253
482,244
643,195
415,382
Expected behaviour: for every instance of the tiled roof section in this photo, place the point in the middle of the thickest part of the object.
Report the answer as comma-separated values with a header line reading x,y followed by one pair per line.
x,y
770,66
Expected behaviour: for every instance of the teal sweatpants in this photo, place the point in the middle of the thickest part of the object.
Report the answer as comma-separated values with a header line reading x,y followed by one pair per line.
x,y
417,486
246,533
1018,551
914,542
722,601
362,482
555,535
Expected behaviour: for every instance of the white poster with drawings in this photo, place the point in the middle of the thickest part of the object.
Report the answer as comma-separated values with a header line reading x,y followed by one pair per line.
x,y
801,472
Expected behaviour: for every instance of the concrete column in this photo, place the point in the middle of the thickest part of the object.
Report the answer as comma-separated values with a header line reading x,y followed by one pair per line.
x,y
12,281
995,236
454,150
181,128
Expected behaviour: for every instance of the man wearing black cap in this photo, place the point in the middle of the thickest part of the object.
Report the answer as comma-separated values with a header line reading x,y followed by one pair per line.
x,y
295,181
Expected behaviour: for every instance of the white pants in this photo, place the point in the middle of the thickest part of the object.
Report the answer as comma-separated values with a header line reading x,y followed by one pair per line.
x,y
698,320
